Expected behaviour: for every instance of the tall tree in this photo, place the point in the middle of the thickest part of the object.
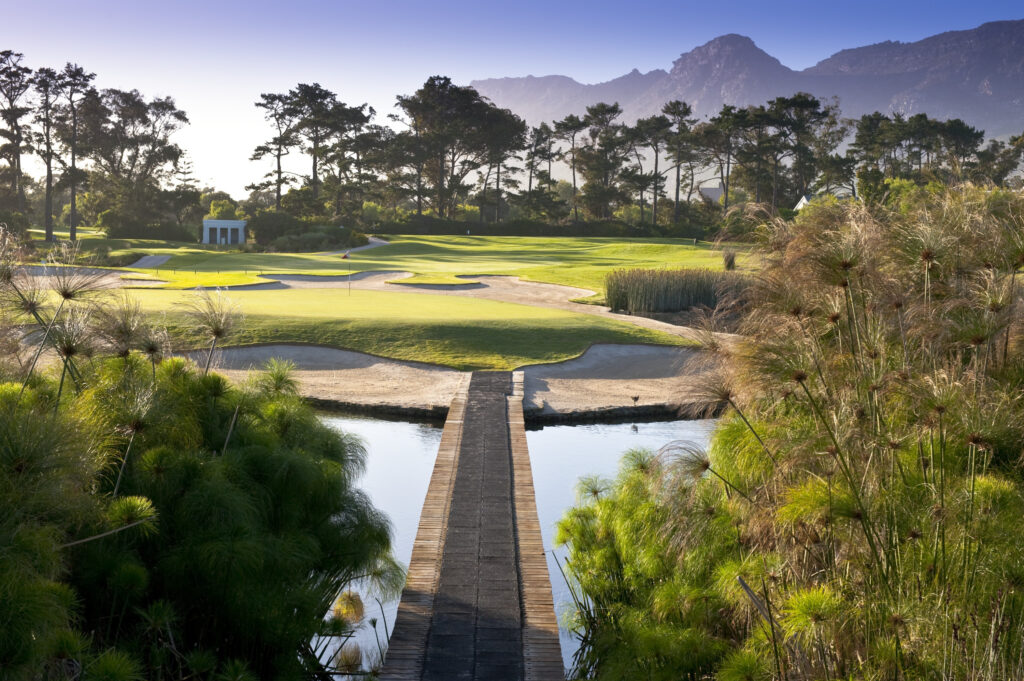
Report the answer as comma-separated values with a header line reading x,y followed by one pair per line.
x,y
503,134
654,133
46,82
351,145
128,140
457,132
74,86
314,107
281,114
681,146
721,136
568,129
539,154
602,157
15,81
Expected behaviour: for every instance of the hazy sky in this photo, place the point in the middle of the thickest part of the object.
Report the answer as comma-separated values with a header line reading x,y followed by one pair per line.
x,y
215,58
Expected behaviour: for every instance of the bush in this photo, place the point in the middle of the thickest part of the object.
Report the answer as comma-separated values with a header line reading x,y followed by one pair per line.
x,y
865,482
670,290
435,226
16,222
269,225
320,239
116,227
223,209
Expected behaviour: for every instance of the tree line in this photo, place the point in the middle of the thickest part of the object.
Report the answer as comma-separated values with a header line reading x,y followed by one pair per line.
x,y
452,149
447,152
107,153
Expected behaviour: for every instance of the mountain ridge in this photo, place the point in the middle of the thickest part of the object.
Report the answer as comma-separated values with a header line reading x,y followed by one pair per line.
x,y
974,74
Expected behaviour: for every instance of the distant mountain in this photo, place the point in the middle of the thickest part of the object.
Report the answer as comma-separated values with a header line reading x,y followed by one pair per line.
x,y
976,75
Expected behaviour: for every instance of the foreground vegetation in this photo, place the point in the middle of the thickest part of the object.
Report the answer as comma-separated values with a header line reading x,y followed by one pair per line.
x,y
157,523
856,515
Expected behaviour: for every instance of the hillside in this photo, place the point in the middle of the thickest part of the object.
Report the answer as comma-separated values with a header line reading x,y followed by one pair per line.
x,y
977,75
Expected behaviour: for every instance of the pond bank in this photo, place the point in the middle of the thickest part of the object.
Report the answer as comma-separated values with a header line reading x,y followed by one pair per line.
x,y
607,383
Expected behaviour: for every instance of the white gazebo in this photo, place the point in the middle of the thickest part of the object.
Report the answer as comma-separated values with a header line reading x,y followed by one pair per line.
x,y
223,231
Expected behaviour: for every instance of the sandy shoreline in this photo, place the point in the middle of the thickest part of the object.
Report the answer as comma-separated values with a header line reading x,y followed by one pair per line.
x,y
601,383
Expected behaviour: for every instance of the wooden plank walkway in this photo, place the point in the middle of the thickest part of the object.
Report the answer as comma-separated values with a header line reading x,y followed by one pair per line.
x,y
477,602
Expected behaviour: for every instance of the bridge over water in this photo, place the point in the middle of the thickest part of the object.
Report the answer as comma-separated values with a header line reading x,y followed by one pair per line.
x,y
477,601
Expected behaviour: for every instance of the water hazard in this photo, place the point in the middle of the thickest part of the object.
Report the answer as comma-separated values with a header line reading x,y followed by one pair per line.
x,y
400,458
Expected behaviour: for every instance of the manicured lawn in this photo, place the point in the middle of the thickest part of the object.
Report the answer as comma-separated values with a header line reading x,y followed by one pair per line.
x,y
463,333
581,262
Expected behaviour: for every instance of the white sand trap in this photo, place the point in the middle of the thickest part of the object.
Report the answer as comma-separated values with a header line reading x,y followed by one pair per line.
x,y
346,376
150,262
610,376
604,377
372,281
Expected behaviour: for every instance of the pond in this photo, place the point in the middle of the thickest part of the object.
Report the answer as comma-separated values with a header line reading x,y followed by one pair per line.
x,y
401,458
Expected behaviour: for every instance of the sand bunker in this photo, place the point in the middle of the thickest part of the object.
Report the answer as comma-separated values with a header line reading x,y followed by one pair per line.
x,y
609,377
349,377
605,377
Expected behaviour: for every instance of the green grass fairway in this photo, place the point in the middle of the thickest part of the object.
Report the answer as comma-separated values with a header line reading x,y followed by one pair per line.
x,y
463,333
581,262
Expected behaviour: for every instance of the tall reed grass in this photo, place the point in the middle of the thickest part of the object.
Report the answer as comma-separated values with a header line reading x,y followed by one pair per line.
x,y
670,290
857,514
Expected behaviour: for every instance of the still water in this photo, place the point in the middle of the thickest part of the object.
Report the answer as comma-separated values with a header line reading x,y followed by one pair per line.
x,y
400,459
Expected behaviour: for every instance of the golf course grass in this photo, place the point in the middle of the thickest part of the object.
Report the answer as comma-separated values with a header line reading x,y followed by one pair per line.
x,y
581,262
459,332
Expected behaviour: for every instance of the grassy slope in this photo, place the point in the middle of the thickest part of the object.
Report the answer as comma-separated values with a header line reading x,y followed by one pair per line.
x,y
463,333
570,261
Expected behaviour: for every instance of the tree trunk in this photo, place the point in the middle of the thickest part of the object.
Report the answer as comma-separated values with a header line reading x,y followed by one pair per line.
x,y
497,196
654,199
48,201
440,185
280,180
725,181
315,180
775,185
575,207
73,227
679,167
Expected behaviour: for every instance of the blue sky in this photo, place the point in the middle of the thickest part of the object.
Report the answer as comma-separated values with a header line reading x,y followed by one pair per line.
x,y
216,57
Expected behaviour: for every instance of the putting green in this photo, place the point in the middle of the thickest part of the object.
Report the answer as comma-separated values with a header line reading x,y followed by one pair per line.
x,y
460,332
581,262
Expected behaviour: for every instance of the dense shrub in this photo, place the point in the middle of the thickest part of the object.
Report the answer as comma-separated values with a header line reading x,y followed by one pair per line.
x,y
429,225
283,232
269,225
116,226
857,514
670,290
16,223
157,522
319,239
223,209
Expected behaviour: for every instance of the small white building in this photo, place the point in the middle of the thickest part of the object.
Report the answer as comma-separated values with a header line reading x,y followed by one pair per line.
x,y
712,195
224,231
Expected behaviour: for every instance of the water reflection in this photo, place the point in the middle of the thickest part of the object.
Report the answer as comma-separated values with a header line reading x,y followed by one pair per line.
x,y
560,455
400,459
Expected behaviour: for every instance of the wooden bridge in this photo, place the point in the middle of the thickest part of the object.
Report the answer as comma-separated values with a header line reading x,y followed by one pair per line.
x,y
477,601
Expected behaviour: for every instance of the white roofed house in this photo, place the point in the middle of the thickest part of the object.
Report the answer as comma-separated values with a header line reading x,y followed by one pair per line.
x,y
712,195
224,232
